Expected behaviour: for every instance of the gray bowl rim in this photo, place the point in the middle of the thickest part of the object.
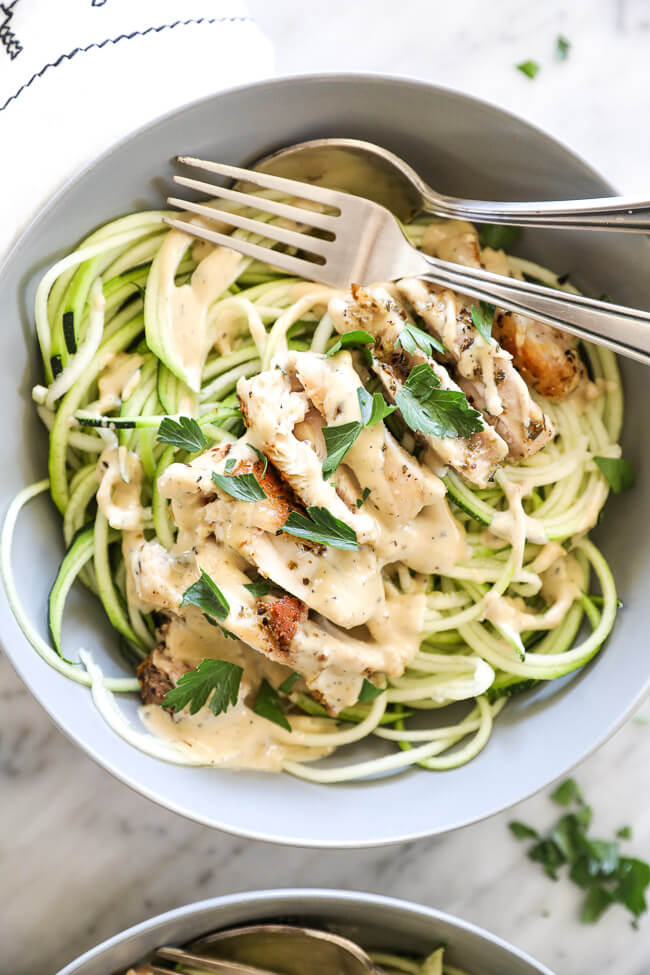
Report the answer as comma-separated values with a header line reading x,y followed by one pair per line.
x,y
328,896
178,808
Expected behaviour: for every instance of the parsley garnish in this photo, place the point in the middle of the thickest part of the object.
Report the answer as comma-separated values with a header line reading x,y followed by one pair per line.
x,y
373,408
262,457
206,594
439,412
498,237
370,691
230,464
618,471
529,68
594,865
184,434
624,833
215,679
562,47
351,340
269,705
318,525
338,440
412,338
258,589
287,684
244,487
364,496
483,317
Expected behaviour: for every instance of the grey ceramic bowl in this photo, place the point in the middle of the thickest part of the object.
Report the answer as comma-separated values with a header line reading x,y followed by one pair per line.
x,y
375,922
464,147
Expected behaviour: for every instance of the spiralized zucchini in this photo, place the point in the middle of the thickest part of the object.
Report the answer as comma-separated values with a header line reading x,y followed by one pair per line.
x,y
98,302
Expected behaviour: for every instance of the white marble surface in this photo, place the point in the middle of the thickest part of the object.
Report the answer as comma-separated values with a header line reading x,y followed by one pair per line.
x,y
81,856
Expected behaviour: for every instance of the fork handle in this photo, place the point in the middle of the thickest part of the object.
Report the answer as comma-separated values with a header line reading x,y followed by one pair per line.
x,y
631,214
624,330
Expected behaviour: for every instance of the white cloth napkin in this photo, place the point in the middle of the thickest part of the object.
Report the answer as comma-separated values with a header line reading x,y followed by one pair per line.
x,y
76,75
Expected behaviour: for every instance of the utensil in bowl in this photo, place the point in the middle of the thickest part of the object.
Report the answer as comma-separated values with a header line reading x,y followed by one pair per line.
x,y
367,169
368,245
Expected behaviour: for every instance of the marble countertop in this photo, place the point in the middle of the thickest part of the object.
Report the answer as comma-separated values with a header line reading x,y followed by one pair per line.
x,y
82,856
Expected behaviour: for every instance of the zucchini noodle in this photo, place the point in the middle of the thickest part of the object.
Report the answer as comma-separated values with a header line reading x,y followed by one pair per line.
x,y
96,310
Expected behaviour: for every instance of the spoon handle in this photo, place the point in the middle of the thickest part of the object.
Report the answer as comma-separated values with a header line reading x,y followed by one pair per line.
x,y
624,330
621,213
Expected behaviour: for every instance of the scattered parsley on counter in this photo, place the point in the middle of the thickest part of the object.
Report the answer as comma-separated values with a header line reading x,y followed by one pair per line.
x,y
594,865
562,47
529,68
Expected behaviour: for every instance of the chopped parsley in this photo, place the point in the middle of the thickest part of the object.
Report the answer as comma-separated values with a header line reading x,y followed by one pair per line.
x,y
594,865
230,465
320,526
184,434
351,340
370,691
258,589
619,473
529,68
363,498
338,440
244,487
483,318
206,594
562,47
427,408
214,680
269,705
412,338
373,408
498,237
262,457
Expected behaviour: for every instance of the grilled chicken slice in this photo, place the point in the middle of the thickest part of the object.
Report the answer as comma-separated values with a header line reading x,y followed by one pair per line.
x,y
546,357
483,370
375,310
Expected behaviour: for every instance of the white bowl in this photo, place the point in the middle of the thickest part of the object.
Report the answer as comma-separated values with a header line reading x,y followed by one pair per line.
x,y
375,922
465,147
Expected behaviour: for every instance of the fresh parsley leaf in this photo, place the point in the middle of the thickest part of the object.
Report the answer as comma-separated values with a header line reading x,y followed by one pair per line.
x,y
244,487
258,589
439,412
624,833
596,903
318,525
567,792
522,832
287,684
269,705
483,318
633,879
184,434
412,338
363,498
230,465
338,440
262,457
217,680
206,594
562,47
351,340
619,473
529,68
370,691
498,237
373,408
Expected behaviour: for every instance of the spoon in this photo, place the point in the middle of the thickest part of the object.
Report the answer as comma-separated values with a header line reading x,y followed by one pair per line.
x,y
365,169
267,949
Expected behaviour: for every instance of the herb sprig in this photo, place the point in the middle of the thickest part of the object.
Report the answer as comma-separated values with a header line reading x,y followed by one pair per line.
x,y
619,473
184,434
483,319
244,487
412,339
320,526
339,438
356,339
213,681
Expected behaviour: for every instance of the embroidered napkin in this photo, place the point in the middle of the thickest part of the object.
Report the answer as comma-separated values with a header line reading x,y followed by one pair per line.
x,y
76,75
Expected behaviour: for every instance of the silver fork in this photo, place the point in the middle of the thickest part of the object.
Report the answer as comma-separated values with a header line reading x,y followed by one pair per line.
x,y
367,245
